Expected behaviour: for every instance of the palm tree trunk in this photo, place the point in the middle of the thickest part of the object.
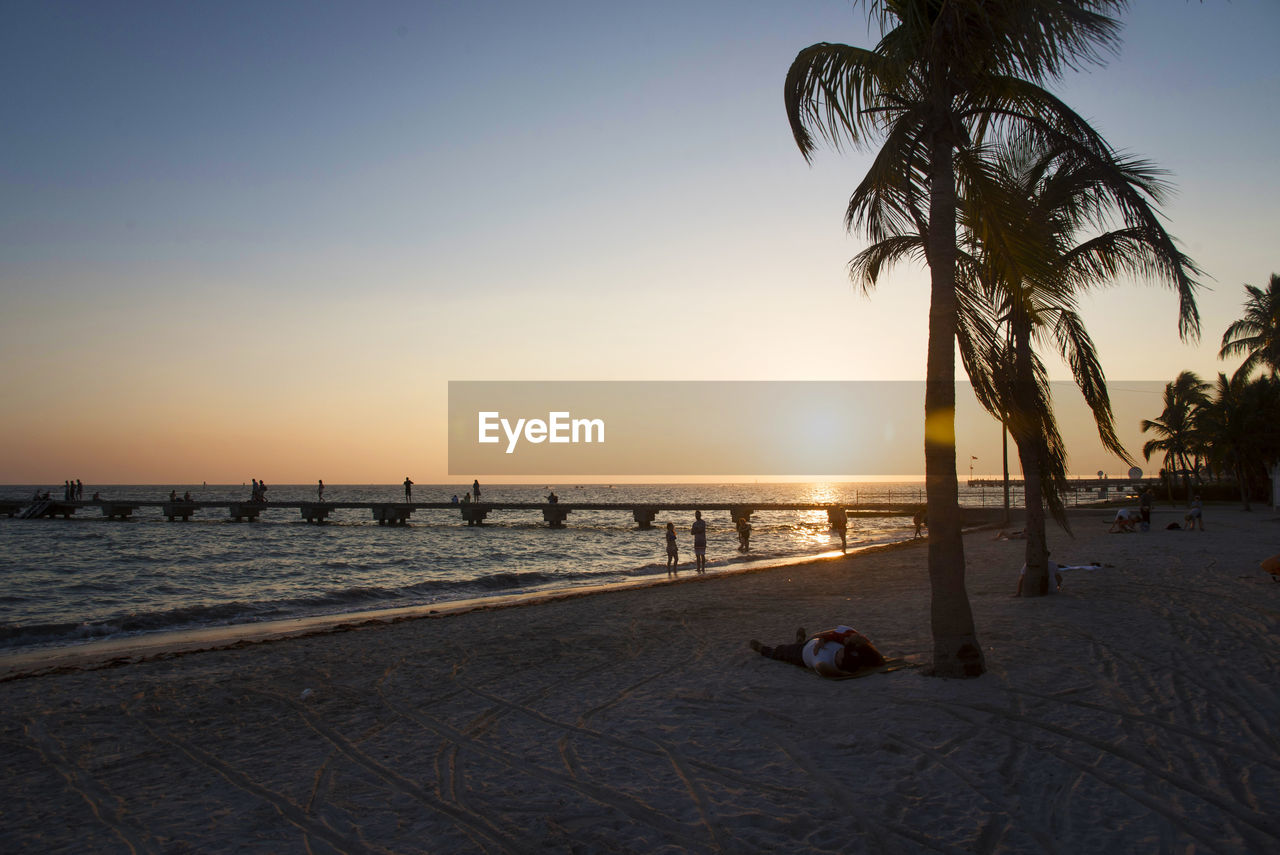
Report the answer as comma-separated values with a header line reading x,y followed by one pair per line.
x,y
1025,430
956,651
1004,454
1036,583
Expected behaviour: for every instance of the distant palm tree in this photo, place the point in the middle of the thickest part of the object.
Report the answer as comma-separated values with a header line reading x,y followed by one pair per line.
x,y
1258,332
942,75
1240,426
1035,236
1176,430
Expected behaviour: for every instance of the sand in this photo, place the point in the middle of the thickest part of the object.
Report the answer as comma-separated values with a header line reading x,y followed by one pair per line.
x,y
1134,712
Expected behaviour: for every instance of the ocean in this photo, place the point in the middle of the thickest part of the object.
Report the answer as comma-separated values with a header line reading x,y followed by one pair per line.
x,y
66,582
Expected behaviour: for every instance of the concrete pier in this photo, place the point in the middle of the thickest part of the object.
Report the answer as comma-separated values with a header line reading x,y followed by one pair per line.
x,y
392,513
183,510
118,510
554,514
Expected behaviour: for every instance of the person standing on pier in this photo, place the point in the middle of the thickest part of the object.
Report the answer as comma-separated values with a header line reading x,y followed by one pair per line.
x,y
79,489
320,490
699,532
475,489
673,550
408,489
262,491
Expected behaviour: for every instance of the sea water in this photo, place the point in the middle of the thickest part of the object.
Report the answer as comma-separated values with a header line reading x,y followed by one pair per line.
x,y
68,581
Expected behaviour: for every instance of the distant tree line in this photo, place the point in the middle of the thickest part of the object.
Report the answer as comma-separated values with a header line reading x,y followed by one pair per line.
x,y
1226,431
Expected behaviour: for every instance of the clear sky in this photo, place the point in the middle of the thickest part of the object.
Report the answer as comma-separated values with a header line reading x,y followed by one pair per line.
x,y
258,239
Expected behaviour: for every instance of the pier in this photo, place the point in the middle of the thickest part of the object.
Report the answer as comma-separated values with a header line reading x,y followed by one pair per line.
x,y
554,514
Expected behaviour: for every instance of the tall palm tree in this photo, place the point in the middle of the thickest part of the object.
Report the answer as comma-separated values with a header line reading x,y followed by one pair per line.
x,y
1258,332
1058,202
943,73
1034,236
1176,431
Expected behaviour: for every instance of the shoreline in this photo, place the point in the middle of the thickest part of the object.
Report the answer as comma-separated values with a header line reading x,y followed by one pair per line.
x,y
113,652
1135,711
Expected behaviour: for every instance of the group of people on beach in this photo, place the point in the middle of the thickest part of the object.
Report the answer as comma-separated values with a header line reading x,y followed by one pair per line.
x,y
1131,519
699,532
72,490
259,492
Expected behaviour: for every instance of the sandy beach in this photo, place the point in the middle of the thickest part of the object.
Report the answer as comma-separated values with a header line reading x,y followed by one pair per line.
x,y
1134,712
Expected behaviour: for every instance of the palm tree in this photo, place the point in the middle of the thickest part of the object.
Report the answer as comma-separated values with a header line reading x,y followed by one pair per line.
x,y
1176,431
1239,426
942,75
1258,332
1034,236
1057,203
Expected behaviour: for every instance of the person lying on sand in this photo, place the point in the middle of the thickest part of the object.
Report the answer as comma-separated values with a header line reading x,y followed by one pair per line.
x,y
833,653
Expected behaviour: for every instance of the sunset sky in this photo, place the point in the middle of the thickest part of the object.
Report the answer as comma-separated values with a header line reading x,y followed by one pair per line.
x,y
260,238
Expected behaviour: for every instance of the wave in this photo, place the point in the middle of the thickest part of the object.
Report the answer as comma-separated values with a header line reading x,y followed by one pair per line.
x,y
349,598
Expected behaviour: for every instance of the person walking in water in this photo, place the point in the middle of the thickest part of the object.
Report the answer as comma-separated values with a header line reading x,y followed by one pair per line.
x,y
699,532
840,523
673,550
475,489
408,489
320,490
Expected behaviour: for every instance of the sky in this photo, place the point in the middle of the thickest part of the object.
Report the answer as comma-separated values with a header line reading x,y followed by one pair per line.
x,y
260,239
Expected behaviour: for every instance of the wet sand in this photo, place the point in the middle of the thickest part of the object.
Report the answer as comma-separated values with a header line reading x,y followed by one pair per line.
x,y
1134,712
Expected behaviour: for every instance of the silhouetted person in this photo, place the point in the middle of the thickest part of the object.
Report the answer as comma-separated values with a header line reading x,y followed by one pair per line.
x,y
320,491
79,489
840,522
673,550
699,532
553,498
475,489
744,534
408,489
